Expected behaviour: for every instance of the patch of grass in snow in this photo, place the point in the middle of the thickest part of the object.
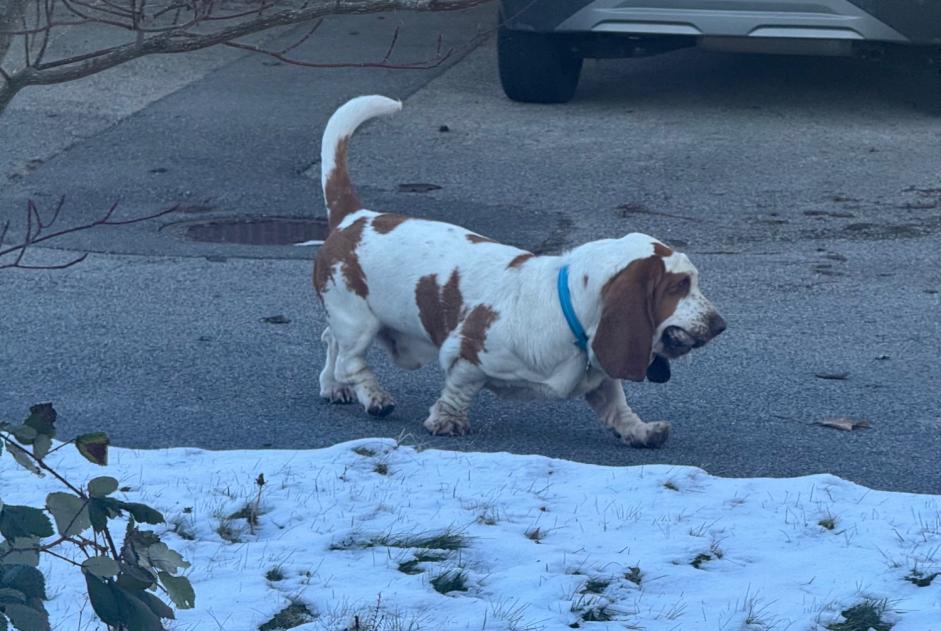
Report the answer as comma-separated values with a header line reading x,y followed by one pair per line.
x,y
919,578
294,615
699,559
595,586
275,574
451,581
828,522
863,617
591,609
227,531
535,534
670,485
446,540
248,512
512,612
381,468
412,566
183,527
634,575
364,451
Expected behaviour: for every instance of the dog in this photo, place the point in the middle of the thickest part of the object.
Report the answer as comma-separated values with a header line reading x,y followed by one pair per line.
x,y
493,315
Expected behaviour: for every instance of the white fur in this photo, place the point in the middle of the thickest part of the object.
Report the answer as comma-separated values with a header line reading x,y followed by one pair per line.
x,y
528,349
344,122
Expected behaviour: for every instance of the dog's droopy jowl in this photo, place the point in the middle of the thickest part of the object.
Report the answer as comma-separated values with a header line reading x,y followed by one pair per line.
x,y
492,315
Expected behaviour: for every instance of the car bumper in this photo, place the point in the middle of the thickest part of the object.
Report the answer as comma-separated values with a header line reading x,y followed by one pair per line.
x,y
899,21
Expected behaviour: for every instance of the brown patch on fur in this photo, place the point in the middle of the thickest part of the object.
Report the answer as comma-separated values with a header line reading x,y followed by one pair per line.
x,y
340,247
662,250
439,308
635,301
476,238
338,190
474,332
386,223
520,259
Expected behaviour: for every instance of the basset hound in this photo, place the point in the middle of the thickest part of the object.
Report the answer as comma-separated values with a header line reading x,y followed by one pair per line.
x,y
493,315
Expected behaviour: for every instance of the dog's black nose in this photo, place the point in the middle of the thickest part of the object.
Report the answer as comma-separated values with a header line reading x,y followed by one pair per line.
x,y
716,325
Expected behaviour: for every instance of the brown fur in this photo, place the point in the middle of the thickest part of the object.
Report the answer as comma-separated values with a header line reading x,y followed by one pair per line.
x,y
339,191
386,223
661,250
476,238
635,301
520,259
474,332
340,247
439,308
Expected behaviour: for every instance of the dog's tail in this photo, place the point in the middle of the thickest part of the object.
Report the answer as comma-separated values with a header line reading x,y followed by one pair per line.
x,y
339,194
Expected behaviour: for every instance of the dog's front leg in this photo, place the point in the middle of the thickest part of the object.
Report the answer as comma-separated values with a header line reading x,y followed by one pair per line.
x,y
449,414
610,404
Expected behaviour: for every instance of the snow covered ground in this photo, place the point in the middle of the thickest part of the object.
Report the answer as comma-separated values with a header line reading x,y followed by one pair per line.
x,y
362,532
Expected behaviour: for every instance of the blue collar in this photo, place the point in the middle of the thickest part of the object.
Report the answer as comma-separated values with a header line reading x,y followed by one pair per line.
x,y
565,298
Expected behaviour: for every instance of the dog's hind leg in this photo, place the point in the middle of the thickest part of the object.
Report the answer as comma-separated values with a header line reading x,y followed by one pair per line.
x,y
610,404
331,389
449,414
354,333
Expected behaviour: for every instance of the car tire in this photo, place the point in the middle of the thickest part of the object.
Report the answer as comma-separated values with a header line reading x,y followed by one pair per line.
x,y
536,67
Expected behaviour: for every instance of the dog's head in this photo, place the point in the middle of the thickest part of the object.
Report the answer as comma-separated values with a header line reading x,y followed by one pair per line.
x,y
652,311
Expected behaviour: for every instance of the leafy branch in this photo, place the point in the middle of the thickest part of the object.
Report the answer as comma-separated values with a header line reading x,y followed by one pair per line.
x,y
120,581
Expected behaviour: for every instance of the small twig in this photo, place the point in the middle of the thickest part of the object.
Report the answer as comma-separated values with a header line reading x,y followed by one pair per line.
x,y
64,558
32,238
395,38
304,38
365,64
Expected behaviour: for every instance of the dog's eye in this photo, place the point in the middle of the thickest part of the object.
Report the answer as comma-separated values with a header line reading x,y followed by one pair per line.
x,y
682,287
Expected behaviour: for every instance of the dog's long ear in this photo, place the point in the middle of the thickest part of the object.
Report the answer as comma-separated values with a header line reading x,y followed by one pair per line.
x,y
624,337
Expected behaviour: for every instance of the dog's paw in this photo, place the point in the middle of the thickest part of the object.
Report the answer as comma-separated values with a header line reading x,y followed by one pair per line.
x,y
380,405
648,435
443,421
338,394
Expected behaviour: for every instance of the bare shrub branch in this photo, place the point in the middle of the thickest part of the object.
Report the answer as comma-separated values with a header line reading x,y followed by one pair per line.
x,y
173,26
35,227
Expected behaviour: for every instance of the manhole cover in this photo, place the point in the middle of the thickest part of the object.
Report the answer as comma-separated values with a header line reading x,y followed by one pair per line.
x,y
267,231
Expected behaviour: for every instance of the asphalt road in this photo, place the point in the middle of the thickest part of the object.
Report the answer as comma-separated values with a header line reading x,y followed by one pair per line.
x,y
807,191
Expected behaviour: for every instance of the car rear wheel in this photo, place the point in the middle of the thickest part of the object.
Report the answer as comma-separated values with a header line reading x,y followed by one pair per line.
x,y
536,67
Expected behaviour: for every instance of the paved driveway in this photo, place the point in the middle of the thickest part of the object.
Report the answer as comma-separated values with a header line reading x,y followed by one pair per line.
x,y
807,191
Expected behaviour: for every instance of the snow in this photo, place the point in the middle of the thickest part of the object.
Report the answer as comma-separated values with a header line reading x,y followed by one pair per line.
x,y
545,544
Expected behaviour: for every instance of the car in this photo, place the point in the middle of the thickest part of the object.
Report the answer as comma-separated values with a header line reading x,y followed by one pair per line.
x,y
541,43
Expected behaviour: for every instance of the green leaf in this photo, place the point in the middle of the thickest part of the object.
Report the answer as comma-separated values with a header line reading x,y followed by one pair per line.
x,y
25,579
93,447
102,486
136,578
143,513
21,551
102,567
10,596
103,600
26,618
179,589
100,510
24,521
156,605
24,434
23,458
70,513
161,557
42,418
137,613
41,446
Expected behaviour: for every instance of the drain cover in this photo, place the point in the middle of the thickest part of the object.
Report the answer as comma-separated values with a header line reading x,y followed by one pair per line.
x,y
267,231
